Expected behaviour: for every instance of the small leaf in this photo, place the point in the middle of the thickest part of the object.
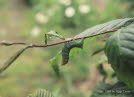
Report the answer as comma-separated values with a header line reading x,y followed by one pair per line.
x,y
55,34
55,64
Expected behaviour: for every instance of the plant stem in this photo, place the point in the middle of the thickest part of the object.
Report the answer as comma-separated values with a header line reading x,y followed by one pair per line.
x,y
48,45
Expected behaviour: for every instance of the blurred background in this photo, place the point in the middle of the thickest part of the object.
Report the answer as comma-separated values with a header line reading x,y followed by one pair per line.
x,y
29,20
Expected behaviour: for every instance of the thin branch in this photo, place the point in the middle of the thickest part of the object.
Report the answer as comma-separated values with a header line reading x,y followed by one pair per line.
x,y
57,43
12,43
12,59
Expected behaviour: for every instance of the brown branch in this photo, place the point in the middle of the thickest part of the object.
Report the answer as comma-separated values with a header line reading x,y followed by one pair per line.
x,y
48,45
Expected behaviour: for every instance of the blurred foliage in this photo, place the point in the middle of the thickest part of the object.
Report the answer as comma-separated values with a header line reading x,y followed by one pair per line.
x,y
130,6
29,20
41,93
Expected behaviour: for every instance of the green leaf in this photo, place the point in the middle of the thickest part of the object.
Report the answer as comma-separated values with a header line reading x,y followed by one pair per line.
x,y
120,52
108,26
41,93
55,64
54,34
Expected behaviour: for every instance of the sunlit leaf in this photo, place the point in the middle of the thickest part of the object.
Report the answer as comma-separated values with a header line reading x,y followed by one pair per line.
x,y
108,26
54,34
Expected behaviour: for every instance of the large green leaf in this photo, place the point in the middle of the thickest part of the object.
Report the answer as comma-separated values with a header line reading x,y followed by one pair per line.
x,y
120,52
108,26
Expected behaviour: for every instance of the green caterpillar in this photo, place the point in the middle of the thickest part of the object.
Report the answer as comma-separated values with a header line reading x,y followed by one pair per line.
x,y
67,48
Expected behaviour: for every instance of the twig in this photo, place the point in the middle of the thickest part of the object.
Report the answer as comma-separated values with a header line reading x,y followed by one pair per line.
x,y
48,45
12,43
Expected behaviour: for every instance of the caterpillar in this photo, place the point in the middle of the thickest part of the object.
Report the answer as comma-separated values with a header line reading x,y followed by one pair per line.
x,y
67,48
